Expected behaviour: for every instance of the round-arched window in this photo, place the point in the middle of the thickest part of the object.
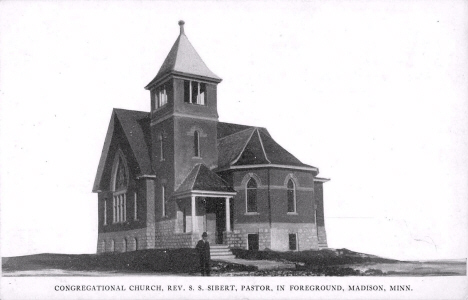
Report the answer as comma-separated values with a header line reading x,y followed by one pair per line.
x,y
251,195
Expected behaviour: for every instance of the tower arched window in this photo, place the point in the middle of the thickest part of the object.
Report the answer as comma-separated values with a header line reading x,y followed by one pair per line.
x,y
161,147
291,196
251,194
196,144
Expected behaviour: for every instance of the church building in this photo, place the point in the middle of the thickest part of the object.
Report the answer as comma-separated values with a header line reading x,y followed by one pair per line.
x,y
167,175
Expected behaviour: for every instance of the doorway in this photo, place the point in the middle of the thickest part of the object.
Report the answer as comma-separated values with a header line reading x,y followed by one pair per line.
x,y
215,219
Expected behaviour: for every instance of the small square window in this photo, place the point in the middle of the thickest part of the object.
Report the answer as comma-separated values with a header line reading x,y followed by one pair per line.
x,y
292,241
252,240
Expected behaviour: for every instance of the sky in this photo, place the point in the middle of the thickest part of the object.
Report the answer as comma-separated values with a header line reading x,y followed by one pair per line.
x,y
373,93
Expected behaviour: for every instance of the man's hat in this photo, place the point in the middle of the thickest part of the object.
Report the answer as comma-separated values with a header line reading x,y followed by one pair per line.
x,y
204,234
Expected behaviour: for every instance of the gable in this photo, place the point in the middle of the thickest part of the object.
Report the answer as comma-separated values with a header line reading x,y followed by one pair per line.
x,y
253,152
127,132
245,145
203,179
230,147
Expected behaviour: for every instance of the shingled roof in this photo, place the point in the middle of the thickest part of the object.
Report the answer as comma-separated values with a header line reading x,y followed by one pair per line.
x,y
245,145
135,125
203,179
237,145
183,58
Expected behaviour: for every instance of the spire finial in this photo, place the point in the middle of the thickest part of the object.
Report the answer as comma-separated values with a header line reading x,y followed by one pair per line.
x,y
181,24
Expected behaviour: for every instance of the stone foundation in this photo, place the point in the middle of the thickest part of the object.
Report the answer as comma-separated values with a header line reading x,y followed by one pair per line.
x,y
167,238
238,238
306,236
123,241
276,238
163,236
322,237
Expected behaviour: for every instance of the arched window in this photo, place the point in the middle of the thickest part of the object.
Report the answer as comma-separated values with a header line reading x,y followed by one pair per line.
x,y
196,144
105,212
112,244
124,245
161,147
291,196
164,200
251,195
121,176
119,185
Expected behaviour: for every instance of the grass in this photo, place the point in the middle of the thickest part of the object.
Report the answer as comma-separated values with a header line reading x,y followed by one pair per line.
x,y
326,262
313,258
161,261
185,261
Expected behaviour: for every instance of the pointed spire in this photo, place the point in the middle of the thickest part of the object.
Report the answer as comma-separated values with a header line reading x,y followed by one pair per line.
x,y
183,59
181,24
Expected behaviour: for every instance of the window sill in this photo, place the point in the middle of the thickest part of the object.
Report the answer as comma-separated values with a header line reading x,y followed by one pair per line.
x,y
292,213
251,213
196,157
198,104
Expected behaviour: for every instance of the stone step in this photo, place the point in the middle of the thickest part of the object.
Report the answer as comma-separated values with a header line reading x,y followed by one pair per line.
x,y
220,249
221,253
322,246
223,256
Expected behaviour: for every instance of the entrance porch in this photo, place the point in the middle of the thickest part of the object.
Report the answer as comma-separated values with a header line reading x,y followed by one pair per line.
x,y
205,204
210,213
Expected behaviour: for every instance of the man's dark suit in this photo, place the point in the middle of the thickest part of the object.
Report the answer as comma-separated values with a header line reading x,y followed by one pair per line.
x,y
203,248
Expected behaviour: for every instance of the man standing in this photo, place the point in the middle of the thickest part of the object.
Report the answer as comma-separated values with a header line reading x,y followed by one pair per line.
x,y
203,248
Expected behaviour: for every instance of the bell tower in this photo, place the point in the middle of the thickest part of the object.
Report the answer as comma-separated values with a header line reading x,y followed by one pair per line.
x,y
184,118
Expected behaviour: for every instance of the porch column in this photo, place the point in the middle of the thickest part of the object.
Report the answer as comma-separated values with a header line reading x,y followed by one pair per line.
x,y
228,215
194,215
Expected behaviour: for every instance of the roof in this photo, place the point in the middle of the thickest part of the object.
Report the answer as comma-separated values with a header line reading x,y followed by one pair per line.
x,y
245,145
225,129
183,58
136,127
231,146
203,179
